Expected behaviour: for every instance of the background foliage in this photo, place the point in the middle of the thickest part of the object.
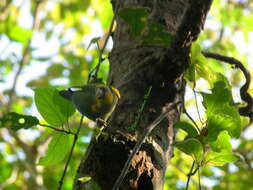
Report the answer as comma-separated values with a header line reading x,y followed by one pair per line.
x,y
44,44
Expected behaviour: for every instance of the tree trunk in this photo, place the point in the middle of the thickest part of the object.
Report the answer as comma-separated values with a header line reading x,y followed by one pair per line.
x,y
134,68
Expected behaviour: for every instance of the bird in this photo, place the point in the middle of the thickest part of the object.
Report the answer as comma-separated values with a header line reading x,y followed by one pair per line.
x,y
95,100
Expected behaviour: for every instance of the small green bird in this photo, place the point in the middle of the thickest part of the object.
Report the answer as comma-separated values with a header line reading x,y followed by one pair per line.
x,y
95,101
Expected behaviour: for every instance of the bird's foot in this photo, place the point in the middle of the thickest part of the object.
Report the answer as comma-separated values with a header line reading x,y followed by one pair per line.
x,y
101,124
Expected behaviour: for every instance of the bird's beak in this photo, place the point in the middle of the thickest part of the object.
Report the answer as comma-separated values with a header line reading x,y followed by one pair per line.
x,y
116,92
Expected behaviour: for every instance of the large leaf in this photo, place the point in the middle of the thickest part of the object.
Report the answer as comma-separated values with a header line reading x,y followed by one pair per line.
x,y
58,148
223,118
187,127
136,18
221,94
53,108
191,147
221,112
222,143
15,121
219,159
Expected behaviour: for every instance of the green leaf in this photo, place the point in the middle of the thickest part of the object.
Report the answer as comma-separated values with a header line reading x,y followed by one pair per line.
x,y
221,94
53,108
15,121
20,34
191,147
187,127
136,18
223,118
191,72
155,34
58,148
222,143
220,111
219,159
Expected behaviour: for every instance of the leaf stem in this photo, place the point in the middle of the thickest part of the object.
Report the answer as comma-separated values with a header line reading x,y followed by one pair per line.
x,y
197,106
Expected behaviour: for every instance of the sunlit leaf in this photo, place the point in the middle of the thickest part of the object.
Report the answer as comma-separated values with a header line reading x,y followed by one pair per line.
x,y
220,96
58,148
224,118
219,159
20,34
222,143
221,112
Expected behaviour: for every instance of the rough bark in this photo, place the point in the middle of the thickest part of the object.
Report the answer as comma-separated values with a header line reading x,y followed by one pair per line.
x,y
135,67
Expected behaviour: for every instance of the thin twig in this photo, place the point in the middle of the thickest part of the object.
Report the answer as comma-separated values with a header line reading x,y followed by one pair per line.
x,y
57,129
70,154
101,51
192,120
137,146
197,107
189,176
191,173
103,48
